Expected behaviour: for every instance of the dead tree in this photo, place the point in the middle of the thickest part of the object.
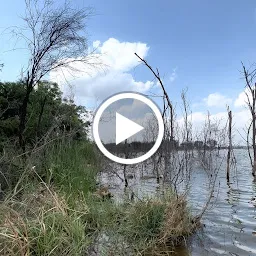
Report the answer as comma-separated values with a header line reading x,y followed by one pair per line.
x,y
250,93
126,155
166,96
174,162
187,135
187,124
168,118
229,142
55,39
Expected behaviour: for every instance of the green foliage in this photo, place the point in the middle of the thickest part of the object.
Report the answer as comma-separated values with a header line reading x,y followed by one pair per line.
x,y
138,227
11,96
48,115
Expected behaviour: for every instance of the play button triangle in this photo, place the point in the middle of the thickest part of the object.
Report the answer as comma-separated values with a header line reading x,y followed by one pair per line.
x,y
125,128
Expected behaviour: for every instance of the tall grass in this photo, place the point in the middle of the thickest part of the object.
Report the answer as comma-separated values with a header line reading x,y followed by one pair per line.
x,y
56,212
71,167
41,223
44,213
142,226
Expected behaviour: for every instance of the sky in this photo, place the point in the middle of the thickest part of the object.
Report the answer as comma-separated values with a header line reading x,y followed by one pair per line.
x,y
198,45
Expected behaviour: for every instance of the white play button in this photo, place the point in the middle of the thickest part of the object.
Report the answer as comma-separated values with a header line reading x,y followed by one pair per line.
x,y
125,128
131,116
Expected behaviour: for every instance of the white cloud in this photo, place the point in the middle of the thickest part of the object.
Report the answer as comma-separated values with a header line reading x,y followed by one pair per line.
x,y
120,55
103,85
114,76
95,84
217,100
240,121
217,104
96,44
173,75
242,98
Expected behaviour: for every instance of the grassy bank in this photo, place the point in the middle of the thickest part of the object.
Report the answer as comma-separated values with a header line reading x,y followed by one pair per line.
x,y
53,210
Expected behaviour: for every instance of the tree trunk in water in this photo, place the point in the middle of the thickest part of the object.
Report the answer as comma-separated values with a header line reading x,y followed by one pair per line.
x,y
229,143
125,166
172,126
228,165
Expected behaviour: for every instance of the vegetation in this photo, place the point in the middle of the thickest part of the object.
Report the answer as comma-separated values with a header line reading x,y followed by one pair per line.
x,y
48,114
42,222
58,212
49,204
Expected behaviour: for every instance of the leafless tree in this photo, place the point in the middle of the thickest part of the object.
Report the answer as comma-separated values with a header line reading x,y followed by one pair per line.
x,y
166,96
187,137
168,157
178,160
229,143
55,38
250,93
213,136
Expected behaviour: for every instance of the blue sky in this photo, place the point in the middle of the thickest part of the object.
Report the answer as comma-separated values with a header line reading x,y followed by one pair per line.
x,y
195,44
205,40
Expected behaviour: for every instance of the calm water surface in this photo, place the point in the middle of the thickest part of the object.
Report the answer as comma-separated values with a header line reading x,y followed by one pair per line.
x,y
230,221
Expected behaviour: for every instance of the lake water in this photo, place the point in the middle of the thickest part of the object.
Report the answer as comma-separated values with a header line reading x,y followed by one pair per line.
x,y
229,224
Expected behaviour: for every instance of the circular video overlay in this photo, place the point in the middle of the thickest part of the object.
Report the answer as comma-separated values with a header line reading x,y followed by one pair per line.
x,y
128,128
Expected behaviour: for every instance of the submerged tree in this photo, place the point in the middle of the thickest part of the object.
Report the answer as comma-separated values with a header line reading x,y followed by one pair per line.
x,y
229,142
250,93
55,38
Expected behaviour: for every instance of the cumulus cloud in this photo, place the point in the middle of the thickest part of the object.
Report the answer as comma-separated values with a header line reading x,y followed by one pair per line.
x,y
217,100
114,61
240,120
217,103
242,98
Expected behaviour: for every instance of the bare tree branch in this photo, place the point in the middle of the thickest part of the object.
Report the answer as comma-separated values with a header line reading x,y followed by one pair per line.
x,y
55,37
249,77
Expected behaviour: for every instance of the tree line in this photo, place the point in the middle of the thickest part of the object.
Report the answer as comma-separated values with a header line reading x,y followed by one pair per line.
x,y
48,116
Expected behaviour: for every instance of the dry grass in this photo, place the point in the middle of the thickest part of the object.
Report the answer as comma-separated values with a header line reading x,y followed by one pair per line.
x,y
41,223
177,223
